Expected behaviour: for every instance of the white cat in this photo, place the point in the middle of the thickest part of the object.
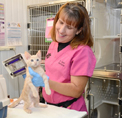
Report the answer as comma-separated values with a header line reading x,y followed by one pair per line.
x,y
30,92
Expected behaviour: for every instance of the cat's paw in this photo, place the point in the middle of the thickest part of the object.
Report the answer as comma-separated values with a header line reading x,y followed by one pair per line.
x,y
43,105
48,91
28,111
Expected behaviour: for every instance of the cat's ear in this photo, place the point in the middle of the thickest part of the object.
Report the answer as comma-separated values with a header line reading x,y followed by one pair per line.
x,y
27,55
39,54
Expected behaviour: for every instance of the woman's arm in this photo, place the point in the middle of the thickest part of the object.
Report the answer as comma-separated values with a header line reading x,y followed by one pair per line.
x,y
73,89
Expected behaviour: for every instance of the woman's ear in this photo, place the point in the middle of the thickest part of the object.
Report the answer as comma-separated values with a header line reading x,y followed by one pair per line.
x,y
79,30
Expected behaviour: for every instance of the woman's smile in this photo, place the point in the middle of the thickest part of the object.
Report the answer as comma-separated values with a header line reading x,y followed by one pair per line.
x,y
61,35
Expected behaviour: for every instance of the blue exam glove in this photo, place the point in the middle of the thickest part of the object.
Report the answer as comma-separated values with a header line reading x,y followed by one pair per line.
x,y
24,76
37,80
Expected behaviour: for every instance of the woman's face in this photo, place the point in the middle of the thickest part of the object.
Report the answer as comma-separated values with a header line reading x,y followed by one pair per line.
x,y
64,32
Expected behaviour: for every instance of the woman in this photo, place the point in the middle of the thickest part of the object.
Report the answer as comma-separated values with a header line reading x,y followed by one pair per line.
x,y
69,61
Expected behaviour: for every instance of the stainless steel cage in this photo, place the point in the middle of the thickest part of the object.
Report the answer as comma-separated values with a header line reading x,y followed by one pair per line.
x,y
105,97
37,15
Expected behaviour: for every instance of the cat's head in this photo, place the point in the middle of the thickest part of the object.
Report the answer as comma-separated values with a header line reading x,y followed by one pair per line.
x,y
33,60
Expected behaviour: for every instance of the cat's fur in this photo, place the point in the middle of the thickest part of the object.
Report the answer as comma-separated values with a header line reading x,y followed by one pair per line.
x,y
30,92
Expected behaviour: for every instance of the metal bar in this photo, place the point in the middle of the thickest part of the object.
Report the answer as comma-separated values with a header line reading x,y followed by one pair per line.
x,y
119,97
106,78
94,29
55,2
120,40
89,106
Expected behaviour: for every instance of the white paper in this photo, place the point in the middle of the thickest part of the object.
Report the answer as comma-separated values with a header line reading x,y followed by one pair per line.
x,y
2,33
50,23
14,34
49,39
1,11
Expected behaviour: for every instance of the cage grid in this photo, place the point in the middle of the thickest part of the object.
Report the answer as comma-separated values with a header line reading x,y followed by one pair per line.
x,y
104,91
37,15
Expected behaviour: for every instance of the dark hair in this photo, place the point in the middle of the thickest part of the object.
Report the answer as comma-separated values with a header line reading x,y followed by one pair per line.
x,y
76,15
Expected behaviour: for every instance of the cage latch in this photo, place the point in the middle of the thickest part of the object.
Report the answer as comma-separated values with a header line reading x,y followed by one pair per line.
x,y
120,101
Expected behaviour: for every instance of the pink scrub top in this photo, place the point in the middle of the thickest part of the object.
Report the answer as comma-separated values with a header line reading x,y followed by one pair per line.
x,y
60,66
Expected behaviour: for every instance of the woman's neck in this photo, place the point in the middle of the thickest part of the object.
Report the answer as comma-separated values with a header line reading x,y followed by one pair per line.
x,y
62,46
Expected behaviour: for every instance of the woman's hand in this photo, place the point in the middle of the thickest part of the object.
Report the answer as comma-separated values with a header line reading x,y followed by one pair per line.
x,y
24,76
37,80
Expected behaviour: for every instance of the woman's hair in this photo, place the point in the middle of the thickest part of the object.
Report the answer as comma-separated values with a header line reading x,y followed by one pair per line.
x,y
76,15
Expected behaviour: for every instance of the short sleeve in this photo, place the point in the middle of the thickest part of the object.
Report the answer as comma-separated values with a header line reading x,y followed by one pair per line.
x,y
83,62
52,45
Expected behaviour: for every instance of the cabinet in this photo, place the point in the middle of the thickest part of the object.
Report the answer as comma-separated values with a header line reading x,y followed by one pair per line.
x,y
106,30
105,91
105,97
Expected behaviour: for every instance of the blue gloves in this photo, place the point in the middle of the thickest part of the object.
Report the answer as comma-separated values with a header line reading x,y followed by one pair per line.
x,y
37,80
24,76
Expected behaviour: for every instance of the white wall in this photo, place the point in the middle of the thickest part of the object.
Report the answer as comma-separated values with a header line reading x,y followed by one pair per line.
x,y
16,11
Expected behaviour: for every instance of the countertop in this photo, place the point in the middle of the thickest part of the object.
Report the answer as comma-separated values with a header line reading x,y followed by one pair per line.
x,y
49,112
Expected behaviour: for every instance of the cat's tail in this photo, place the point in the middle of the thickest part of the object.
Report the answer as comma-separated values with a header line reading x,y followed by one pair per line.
x,y
15,103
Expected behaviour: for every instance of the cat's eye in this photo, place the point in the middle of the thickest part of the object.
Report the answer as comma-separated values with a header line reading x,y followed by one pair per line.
x,y
37,59
31,60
